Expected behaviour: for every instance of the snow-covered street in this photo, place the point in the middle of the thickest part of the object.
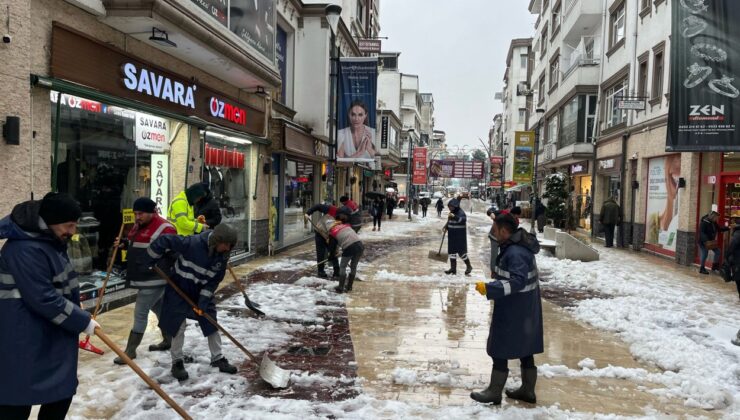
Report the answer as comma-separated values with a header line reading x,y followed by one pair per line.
x,y
628,336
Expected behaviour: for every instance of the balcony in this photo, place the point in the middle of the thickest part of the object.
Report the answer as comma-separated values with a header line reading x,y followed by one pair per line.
x,y
580,18
586,53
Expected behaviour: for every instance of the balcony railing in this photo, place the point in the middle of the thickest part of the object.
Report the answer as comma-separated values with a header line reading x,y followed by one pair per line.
x,y
585,54
569,6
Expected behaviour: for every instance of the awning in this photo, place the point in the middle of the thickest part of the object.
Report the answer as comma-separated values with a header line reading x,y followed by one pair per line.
x,y
517,188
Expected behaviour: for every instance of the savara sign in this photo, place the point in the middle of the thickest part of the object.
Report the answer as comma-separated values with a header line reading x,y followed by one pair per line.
x,y
222,109
159,86
152,133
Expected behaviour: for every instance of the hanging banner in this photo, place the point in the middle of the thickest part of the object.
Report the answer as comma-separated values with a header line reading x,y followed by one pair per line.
x,y
523,156
419,176
705,64
151,133
358,84
456,169
663,202
159,182
497,170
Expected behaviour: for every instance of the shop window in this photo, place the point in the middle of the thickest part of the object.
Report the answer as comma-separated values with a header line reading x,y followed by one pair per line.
x,y
614,115
657,76
590,117
731,162
107,157
569,123
298,182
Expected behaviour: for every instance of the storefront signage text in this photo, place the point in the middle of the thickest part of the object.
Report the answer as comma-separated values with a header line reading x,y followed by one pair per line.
x,y
151,133
159,182
157,85
606,164
579,168
321,149
221,109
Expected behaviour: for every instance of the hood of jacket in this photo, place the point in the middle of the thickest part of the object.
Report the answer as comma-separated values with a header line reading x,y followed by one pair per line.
x,y
523,238
24,223
455,203
610,201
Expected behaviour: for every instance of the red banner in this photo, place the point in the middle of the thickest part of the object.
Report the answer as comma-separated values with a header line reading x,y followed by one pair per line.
x,y
222,156
420,166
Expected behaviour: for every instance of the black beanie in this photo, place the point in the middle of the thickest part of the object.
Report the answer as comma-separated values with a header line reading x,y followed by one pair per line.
x,y
57,208
222,234
195,192
145,204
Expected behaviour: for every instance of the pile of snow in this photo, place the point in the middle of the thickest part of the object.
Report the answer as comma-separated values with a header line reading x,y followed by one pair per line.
x,y
306,379
410,377
286,264
669,320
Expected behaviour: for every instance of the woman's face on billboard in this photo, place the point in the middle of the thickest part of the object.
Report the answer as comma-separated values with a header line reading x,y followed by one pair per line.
x,y
357,116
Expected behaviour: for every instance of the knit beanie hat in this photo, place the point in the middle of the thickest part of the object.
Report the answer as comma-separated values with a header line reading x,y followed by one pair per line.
x,y
57,208
145,204
222,234
195,192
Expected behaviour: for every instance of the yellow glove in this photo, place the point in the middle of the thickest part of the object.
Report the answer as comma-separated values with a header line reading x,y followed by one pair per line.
x,y
198,311
480,287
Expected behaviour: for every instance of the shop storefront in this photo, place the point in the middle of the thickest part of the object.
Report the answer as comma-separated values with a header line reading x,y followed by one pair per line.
x,y
719,190
581,182
608,171
123,129
299,175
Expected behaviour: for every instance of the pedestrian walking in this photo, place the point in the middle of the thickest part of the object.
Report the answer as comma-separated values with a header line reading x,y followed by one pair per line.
x,y
200,267
376,209
516,324
492,213
732,255
457,233
326,248
355,218
539,215
40,314
209,209
424,206
440,206
182,211
352,250
150,287
610,217
708,230
390,204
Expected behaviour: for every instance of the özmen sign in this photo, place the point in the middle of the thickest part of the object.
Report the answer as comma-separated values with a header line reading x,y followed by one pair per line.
x,y
227,111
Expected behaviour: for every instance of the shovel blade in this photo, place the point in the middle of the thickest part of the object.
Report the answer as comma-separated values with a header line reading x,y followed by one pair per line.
x,y
272,374
88,346
438,256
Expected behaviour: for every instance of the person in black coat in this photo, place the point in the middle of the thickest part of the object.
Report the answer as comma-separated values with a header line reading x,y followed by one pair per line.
x,y
732,255
376,209
209,209
539,215
440,206
390,204
708,230
424,206
457,233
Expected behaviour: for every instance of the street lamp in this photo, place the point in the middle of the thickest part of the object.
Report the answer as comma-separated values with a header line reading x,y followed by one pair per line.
x,y
410,138
540,112
333,13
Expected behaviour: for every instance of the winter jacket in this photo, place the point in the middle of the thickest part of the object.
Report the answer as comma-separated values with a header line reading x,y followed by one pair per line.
x,y
210,210
377,207
457,233
494,252
40,314
329,215
516,327
344,235
182,216
196,273
355,217
610,213
732,254
708,230
440,205
138,274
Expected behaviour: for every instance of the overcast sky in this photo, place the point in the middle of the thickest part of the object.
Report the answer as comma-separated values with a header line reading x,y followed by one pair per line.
x,y
458,48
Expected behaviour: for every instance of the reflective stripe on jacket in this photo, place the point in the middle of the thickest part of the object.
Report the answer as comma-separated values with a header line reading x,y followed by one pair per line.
x,y
138,275
182,216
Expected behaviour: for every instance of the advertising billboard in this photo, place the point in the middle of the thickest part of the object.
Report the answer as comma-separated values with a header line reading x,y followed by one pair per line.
x,y
663,201
523,156
358,86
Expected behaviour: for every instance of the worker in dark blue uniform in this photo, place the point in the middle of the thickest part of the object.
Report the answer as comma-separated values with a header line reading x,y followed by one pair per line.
x,y
199,268
457,237
516,327
40,314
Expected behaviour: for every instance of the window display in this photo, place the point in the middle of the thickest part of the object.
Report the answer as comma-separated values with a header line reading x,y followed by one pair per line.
x,y
298,186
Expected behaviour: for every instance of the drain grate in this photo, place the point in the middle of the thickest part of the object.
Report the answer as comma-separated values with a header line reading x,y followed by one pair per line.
x,y
309,351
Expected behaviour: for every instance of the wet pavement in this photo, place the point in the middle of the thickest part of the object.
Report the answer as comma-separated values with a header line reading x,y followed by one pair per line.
x,y
425,341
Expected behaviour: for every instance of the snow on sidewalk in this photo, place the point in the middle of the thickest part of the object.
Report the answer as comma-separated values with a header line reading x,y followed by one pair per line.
x,y
668,318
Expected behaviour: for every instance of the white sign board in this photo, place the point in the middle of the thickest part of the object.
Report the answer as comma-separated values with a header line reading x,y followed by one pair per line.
x,y
152,133
160,183
633,104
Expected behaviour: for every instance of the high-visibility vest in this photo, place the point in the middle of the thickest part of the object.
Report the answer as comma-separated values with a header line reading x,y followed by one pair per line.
x,y
182,216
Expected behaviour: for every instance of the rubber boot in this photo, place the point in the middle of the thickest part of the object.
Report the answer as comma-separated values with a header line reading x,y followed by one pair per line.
x,y
469,268
526,391
178,371
703,270
164,345
340,288
453,267
134,339
350,280
492,394
223,366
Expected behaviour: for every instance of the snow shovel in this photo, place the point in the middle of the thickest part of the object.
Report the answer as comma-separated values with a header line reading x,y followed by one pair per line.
x,y
153,385
439,255
86,344
252,306
269,371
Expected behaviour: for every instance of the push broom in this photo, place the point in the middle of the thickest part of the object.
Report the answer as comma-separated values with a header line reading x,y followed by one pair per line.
x,y
86,344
